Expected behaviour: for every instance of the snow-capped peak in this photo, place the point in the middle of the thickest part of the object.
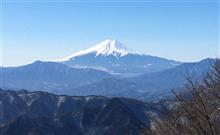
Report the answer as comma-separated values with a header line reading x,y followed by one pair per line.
x,y
110,47
105,48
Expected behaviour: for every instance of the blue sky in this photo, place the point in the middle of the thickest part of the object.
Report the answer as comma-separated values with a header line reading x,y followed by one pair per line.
x,y
184,31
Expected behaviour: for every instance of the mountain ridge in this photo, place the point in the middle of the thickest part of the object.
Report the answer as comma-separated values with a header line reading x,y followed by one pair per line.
x,y
49,76
149,86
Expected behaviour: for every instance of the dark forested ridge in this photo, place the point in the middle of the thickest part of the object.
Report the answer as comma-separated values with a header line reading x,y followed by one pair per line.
x,y
42,113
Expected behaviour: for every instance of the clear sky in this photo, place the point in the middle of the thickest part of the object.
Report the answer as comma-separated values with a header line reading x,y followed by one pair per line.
x,y
46,30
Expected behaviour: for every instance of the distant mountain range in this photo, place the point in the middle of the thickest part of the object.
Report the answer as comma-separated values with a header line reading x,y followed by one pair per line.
x,y
104,70
149,86
49,76
41,113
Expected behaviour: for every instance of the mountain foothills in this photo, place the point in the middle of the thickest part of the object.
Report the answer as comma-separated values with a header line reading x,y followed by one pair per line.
x,y
49,76
41,113
149,86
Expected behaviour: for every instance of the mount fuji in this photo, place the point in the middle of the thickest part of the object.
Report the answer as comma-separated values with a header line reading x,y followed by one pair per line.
x,y
112,56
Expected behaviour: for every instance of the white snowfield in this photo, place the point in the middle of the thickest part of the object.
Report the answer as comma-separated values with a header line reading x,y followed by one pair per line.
x,y
105,48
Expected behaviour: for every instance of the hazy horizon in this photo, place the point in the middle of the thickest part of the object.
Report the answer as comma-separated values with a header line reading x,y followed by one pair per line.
x,y
182,31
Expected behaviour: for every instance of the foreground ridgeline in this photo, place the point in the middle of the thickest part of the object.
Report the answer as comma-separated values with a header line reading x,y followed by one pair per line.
x,y
41,113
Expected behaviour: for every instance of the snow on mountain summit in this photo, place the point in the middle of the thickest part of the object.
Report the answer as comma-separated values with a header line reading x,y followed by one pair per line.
x,y
109,47
105,48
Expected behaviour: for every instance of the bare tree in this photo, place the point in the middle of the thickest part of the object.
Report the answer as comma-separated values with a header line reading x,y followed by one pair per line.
x,y
197,110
